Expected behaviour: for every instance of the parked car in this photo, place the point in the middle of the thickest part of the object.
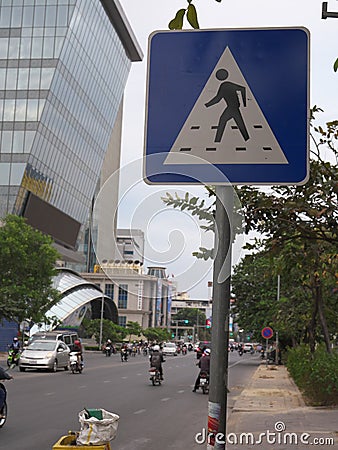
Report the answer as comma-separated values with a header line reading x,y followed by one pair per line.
x,y
68,337
169,348
45,354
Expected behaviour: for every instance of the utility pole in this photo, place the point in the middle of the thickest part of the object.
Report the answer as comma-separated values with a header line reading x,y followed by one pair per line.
x,y
217,404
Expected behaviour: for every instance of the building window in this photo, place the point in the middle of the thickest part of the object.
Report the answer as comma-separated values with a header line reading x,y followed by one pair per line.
x,y
123,296
109,290
122,321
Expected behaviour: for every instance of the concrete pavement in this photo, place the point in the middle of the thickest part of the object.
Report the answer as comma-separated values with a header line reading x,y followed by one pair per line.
x,y
270,413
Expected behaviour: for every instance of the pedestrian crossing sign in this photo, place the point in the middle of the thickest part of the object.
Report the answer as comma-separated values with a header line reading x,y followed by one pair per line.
x,y
227,107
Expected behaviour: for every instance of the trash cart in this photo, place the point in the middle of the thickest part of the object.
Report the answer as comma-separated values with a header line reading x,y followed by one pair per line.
x,y
69,443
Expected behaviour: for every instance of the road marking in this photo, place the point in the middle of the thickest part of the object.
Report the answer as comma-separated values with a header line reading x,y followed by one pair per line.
x,y
180,392
124,378
235,364
107,381
49,393
82,387
139,374
165,399
140,411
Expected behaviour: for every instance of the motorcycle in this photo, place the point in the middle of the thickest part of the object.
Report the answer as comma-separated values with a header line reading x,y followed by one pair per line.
x,y
108,350
204,382
184,350
75,365
4,410
155,376
13,358
124,355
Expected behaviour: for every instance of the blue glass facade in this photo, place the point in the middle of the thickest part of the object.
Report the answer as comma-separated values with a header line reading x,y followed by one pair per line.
x,y
63,69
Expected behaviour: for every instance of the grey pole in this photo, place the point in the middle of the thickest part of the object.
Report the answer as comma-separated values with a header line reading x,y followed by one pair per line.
x,y
217,405
101,319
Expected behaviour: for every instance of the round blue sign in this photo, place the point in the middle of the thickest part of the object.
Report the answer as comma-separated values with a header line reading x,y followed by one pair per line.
x,y
267,332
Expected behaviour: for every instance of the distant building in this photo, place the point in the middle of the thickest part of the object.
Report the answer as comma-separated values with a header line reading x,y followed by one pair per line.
x,y
139,297
130,245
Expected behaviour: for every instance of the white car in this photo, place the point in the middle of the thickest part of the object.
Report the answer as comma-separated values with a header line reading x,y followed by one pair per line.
x,y
169,348
49,355
248,348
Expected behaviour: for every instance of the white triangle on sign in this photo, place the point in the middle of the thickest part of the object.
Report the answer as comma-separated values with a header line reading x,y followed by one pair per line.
x,y
247,137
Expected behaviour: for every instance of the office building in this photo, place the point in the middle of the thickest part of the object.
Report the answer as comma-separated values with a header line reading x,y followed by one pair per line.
x,y
63,70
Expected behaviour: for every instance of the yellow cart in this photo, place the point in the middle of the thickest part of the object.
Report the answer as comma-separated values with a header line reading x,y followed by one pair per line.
x,y
69,443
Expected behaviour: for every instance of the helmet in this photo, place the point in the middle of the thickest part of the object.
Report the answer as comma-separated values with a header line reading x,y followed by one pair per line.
x,y
15,339
109,341
77,342
156,348
207,351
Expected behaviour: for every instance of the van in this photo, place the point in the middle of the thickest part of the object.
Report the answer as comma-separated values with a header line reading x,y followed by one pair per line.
x,y
68,337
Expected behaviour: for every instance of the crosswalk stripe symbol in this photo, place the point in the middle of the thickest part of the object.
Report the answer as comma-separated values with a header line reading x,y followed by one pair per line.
x,y
226,125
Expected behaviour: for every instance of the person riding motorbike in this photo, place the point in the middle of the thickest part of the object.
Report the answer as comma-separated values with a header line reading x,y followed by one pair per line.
x,y
156,359
15,345
77,347
108,347
3,376
204,365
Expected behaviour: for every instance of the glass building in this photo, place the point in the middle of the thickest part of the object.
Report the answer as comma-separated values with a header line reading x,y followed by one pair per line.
x,y
63,69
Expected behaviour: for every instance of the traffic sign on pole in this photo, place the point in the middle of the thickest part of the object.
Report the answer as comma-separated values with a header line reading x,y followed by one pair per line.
x,y
267,333
235,99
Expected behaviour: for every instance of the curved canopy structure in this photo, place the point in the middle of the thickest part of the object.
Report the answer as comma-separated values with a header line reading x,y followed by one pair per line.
x,y
78,299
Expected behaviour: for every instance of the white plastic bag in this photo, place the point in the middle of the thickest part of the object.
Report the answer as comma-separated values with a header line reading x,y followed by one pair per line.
x,y
95,431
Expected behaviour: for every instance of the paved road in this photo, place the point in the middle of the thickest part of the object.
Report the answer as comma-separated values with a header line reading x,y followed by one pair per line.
x,y
44,406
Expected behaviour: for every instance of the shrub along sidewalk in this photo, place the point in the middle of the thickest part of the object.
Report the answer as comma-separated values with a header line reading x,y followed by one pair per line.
x,y
316,374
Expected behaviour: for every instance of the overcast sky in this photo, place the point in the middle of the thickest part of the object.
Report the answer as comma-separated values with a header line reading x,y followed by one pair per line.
x,y
171,236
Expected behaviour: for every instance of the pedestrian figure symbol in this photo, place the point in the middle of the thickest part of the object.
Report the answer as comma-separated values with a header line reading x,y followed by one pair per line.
x,y
225,124
228,91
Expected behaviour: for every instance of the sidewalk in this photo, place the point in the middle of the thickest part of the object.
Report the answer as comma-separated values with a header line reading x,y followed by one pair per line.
x,y
272,404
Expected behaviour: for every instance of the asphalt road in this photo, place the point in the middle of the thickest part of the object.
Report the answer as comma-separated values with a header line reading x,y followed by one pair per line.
x,y
44,406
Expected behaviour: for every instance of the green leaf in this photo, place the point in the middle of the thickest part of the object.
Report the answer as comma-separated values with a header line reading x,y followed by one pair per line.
x,y
335,66
177,22
192,16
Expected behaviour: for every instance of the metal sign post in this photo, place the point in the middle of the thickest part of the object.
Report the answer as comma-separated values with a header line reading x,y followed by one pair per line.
x,y
217,405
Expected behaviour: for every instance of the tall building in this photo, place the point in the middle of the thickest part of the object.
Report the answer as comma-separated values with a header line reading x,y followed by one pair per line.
x,y
63,70
130,245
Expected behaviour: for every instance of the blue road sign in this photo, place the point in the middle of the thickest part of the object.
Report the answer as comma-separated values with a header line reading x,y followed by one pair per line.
x,y
228,106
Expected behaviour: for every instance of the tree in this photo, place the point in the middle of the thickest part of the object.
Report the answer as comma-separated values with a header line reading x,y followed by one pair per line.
x,y
27,267
133,328
156,334
110,330
193,315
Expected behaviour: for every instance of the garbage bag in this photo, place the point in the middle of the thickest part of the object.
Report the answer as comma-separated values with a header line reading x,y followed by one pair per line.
x,y
96,431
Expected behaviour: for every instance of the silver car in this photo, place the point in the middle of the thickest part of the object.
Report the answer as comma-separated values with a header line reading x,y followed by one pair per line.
x,y
45,354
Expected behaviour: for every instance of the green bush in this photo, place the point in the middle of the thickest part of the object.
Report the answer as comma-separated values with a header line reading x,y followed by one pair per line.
x,y
315,374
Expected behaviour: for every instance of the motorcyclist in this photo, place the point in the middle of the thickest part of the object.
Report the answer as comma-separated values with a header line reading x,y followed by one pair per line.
x,y
15,345
156,359
3,376
77,347
204,365
108,346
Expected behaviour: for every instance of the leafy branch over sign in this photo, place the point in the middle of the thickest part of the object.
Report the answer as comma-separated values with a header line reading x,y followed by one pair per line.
x,y
191,15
